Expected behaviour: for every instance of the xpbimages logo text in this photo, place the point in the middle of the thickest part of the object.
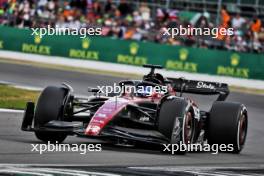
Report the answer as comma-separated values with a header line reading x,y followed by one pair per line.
x,y
193,31
144,90
83,32
58,147
182,147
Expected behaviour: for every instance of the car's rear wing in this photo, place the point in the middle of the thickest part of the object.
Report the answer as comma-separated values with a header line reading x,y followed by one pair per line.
x,y
200,87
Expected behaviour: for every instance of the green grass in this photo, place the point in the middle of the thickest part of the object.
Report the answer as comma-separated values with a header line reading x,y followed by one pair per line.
x,y
15,98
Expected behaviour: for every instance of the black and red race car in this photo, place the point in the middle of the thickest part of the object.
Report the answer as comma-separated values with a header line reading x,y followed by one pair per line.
x,y
158,117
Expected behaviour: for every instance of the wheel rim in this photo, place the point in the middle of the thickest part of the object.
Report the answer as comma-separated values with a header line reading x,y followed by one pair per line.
x,y
188,128
242,129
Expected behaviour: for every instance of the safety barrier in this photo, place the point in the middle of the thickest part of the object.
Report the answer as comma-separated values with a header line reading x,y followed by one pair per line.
x,y
196,60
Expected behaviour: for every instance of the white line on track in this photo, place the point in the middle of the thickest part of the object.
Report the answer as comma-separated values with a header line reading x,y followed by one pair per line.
x,y
200,170
8,171
31,169
55,165
11,110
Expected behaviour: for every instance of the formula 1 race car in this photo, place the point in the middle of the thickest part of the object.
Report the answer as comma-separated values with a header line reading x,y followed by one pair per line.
x,y
157,114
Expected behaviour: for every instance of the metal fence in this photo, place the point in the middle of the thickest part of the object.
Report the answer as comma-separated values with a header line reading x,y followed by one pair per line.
x,y
247,8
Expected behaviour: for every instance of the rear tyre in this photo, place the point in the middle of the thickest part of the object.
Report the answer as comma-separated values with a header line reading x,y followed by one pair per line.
x,y
227,125
177,123
50,107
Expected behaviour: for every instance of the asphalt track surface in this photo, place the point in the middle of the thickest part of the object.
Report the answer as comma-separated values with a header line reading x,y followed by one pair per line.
x,y
15,145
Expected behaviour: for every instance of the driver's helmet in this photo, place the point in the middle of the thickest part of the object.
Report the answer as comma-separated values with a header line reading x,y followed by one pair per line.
x,y
155,78
160,78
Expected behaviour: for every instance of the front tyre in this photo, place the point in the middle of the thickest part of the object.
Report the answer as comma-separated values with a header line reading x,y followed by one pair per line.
x,y
228,125
176,122
50,107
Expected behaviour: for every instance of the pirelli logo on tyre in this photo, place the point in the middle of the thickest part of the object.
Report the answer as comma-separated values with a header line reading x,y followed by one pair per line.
x,y
181,63
233,69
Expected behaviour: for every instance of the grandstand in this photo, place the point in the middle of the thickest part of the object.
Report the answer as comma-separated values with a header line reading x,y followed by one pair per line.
x,y
132,32
247,8
132,25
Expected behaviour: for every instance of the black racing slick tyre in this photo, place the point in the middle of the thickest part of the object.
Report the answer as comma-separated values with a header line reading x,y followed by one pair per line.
x,y
228,123
176,122
50,107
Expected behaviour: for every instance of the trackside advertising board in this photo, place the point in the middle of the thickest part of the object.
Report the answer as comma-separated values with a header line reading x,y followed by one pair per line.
x,y
180,58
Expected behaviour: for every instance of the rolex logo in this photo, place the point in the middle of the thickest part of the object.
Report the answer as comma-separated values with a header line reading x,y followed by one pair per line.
x,y
134,48
183,53
86,43
235,59
37,39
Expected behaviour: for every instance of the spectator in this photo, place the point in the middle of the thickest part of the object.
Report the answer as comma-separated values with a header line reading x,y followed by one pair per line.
x,y
97,9
238,21
144,11
79,4
261,35
68,13
202,22
118,20
255,28
255,25
124,8
225,17
108,7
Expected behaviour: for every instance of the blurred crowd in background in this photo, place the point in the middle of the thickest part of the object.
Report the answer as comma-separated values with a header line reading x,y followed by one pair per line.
x,y
127,21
